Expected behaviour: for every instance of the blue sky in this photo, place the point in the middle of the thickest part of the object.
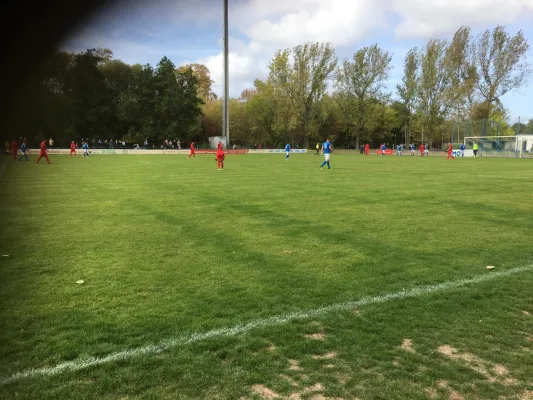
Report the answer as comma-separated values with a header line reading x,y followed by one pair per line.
x,y
191,31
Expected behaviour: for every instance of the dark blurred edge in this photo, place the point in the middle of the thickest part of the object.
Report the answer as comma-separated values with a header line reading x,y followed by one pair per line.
x,y
29,32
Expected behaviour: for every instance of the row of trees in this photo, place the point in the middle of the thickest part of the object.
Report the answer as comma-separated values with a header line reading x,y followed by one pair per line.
x,y
91,95
308,94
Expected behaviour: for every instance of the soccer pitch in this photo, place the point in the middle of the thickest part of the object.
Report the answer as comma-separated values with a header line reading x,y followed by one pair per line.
x,y
269,279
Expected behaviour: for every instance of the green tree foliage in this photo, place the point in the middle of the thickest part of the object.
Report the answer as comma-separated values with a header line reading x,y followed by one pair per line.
x,y
360,83
301,75
407,90
90,95
502,64
446,84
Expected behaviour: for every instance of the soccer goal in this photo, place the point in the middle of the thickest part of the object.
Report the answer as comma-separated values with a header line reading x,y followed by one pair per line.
x,y
518,146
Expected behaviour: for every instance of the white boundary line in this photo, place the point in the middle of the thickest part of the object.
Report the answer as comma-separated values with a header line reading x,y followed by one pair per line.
x,y
77,365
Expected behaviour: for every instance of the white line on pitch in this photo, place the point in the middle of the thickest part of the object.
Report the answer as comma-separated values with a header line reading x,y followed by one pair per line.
x,y
266,322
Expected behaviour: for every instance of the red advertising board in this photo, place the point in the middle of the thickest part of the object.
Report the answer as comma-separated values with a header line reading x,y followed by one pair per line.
x,y
210,151
387,152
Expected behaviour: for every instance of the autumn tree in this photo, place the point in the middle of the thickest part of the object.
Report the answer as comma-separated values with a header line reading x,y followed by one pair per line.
x,y
407,90
203,75
362,81
502,65
434,84
301,74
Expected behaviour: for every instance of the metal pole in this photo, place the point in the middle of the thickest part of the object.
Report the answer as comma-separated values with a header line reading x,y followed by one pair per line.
x,y
225,116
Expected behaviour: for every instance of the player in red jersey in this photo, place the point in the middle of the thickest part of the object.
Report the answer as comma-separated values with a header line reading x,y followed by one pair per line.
x,y
73,149
14,149
450,149
367,149
193,152
43,153
220,156
421,148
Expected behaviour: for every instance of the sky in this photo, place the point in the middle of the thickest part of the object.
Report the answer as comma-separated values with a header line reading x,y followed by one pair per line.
x,y
191,31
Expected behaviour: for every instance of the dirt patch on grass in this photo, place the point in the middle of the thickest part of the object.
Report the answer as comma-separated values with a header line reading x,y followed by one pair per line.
x,y
327,356
356,311
317,387
395,362
510,382
456,395
286,252
311,389
407,345
316,336
442,384
493,373
295,365
271,347
329,366
500,370
265,392
321,397
431,393
527,395
475,363
526,313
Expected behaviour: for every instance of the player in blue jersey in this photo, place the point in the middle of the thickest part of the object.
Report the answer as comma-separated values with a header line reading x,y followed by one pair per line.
x,y
399,152
413,149
85,147
23,149
426,150
462,148
326,150
287,150
383,148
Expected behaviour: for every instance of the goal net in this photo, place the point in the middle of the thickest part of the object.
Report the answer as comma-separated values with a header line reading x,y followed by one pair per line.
x,y
518,146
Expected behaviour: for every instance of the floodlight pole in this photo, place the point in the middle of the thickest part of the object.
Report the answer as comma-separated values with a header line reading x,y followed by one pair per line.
x,y
225,112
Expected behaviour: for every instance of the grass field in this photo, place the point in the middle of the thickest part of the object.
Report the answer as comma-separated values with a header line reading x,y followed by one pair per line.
x,y
207,284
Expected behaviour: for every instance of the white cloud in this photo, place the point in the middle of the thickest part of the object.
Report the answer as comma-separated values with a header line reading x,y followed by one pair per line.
x,y
264,26
423,19
342,22
278,24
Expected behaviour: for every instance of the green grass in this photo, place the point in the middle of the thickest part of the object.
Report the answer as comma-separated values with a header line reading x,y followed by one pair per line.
x,y
169,247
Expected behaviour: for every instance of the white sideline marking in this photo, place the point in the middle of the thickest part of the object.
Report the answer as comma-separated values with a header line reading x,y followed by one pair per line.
x,y
266,322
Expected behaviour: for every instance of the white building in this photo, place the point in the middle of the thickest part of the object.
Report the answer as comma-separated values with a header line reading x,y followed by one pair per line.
x,y
213,141
525,143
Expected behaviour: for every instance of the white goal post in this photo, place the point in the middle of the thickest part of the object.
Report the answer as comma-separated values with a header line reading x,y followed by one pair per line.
x,y
518,146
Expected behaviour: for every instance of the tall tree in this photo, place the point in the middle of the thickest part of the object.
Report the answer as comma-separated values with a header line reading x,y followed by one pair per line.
x,y
502,64
462,72
434,83
270,112
362,81
407,90
203,75
303,81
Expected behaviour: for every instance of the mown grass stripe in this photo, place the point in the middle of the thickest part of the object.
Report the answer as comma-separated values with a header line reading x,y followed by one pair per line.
x,y
266,322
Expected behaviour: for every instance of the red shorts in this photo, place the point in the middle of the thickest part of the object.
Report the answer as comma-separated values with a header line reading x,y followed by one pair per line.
x,y
220,157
